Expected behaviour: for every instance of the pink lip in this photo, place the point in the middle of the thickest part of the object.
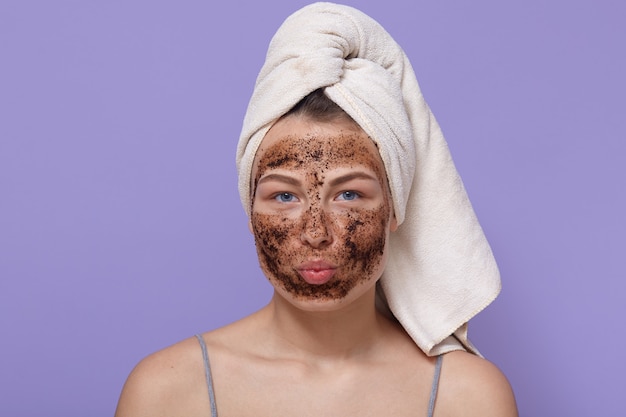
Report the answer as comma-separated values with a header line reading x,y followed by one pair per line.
x,y
316,272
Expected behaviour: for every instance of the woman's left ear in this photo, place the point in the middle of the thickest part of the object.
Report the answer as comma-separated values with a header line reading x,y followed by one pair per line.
x,y
393,224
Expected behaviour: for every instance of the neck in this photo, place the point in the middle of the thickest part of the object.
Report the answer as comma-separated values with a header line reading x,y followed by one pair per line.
x,y
340,333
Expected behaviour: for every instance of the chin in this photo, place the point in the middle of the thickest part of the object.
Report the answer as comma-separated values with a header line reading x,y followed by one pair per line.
x,y
318,304
327,303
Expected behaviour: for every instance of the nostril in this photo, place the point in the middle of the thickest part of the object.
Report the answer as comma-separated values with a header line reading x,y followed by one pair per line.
x,y
315,228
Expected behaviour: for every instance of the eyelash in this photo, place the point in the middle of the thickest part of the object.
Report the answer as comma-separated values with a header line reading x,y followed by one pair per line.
x,y
352,194
279,197
286,197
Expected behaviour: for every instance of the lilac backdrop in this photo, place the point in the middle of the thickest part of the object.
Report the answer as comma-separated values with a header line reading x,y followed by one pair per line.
x,y
121,230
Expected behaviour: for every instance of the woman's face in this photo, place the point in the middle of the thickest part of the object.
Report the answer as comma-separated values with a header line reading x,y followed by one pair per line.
x,y
321,210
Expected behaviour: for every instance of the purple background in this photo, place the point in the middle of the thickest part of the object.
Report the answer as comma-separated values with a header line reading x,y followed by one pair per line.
x,y
121,231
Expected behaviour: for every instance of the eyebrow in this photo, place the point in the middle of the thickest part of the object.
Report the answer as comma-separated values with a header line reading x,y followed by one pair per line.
x,y
333,183
352,176
281,178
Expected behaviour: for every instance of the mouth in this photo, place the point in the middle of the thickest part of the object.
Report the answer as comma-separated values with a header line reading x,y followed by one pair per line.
x,y
316,272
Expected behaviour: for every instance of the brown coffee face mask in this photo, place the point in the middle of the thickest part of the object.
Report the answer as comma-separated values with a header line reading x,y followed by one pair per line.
x,y
350,237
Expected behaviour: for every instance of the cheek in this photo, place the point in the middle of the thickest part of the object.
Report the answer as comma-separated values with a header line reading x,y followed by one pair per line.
x,y
270,232
363,237
274,239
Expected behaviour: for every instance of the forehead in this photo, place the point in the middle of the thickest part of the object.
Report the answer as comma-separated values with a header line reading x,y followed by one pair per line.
x,y
301,143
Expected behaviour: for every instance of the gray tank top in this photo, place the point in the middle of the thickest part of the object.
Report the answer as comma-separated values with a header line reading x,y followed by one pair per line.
x,y
209,380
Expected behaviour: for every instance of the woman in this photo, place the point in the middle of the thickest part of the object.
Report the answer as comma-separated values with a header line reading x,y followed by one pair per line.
x,y
363,229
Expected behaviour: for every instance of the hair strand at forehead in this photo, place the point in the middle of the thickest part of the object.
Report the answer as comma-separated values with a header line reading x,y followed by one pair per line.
x,y
319,107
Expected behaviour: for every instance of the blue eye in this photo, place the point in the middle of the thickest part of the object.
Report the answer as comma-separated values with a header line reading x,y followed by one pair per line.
x,y
285,198
348,195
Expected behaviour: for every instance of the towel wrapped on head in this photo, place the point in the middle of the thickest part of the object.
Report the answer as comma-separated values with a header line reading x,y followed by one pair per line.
x,y
441,271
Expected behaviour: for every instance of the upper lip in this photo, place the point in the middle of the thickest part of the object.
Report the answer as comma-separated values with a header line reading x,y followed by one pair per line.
x,y
316,265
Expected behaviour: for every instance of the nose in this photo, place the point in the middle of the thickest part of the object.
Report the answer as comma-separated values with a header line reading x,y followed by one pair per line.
x,y
315,231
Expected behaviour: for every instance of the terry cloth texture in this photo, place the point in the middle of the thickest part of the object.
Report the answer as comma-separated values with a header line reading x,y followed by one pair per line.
x,y
441,271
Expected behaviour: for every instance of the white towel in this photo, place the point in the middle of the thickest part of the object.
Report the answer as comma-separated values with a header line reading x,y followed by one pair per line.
x,y
441,271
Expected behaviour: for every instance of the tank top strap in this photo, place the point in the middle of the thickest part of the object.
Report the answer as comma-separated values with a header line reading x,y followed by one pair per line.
x,y
209,379
207,373
435,386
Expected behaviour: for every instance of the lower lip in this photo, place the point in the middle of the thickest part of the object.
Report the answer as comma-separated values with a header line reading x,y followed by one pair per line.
x,y
316,276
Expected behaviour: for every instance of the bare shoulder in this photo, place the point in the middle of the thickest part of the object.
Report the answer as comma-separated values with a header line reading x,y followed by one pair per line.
x,y
472,386
172,381
165,383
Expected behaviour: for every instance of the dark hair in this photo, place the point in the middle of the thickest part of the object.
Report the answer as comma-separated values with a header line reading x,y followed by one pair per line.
x,y
317,106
